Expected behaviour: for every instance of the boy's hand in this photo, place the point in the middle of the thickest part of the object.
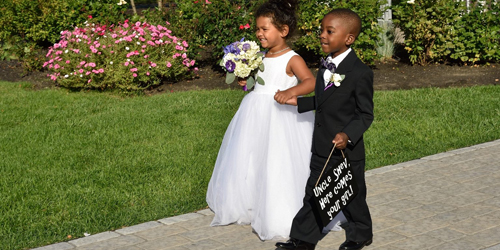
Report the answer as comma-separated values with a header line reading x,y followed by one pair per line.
x,y
292,101
282,96
341,140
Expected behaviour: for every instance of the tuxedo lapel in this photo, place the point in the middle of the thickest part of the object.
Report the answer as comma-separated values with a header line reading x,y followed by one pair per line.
x,y
344,67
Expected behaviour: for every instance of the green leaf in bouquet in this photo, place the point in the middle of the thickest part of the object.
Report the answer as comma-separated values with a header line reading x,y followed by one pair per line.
x,y
260,80
250,82
230,77
260,54
261,67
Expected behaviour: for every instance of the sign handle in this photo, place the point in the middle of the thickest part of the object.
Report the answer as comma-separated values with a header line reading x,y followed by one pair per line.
x,y
331,152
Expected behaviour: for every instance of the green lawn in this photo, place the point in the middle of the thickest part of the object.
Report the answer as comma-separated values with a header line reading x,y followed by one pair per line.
x,y
74,163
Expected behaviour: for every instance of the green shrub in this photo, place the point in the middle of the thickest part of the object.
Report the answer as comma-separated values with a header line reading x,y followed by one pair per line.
x,y
124,56
476,37
211,25
311,13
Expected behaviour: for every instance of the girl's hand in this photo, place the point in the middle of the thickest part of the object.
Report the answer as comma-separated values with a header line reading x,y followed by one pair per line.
x,y
283,96
242,82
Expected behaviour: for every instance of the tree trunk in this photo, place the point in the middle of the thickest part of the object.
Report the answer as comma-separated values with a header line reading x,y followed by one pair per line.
x,y
133,7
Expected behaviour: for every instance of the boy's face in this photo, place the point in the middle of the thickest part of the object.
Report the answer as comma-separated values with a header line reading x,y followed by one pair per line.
x,y
335,38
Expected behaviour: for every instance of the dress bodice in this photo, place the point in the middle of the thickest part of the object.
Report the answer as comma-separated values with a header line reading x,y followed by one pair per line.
x,y
274,74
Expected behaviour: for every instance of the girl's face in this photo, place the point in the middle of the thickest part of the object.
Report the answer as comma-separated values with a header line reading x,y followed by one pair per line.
x,y
268,35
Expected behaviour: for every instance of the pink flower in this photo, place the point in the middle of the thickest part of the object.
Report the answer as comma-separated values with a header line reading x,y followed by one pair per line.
x,y
81,71
241,27
133,69
88,73
90,17
169,65
101,70
89,80
135,75
126,63
184,55
147,73
153,64
247,26
185,44
146,56
206,1
82,63
67,62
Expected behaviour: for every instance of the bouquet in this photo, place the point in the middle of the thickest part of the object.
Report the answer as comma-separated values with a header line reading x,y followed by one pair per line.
x,y
242,59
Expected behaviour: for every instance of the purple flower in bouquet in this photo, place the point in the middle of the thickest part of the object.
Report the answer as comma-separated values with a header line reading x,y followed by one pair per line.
x,y
230,66
242,60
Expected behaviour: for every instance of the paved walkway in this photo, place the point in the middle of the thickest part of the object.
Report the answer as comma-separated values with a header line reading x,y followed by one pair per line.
x,y
445,201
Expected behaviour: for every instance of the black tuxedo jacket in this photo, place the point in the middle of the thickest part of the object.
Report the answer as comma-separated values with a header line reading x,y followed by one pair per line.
x,y
347,108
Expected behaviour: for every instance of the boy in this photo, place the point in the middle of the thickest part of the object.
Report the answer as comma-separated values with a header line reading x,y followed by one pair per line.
x,y
344,111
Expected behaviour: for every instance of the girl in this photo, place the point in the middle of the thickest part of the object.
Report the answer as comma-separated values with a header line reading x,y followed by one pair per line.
x,y
263,163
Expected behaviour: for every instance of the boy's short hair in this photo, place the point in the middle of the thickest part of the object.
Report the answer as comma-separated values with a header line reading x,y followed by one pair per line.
x,y
351,19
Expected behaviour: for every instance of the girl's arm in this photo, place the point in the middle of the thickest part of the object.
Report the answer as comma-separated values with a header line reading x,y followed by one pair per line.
x,y
297,66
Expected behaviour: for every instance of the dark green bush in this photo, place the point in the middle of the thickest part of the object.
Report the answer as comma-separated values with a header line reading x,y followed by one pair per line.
x,y
446,31
311,13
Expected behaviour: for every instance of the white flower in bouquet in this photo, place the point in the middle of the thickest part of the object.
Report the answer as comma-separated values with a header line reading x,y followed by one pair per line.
x,y
242,59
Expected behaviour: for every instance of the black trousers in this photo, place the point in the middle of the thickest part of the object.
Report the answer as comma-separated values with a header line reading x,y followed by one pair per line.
x,y
307,227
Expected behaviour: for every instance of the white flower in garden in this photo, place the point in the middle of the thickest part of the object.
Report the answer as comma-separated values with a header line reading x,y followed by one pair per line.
x,y
111,62
127,48
66,76
410,1
122,2
66,51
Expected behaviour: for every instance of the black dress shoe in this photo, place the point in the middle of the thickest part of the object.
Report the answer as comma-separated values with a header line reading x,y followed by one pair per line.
x,y
352,245
295,244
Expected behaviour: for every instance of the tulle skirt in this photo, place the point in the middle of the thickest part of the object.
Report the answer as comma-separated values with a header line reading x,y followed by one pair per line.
x,y
262,167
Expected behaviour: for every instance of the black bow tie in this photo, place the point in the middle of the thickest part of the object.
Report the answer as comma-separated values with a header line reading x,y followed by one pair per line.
x,y
328,65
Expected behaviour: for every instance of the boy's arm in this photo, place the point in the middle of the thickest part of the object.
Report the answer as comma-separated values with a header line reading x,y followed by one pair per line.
x,y
305,104
363,117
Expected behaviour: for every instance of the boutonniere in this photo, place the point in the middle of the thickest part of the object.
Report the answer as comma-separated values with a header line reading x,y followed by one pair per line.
x,y
335,79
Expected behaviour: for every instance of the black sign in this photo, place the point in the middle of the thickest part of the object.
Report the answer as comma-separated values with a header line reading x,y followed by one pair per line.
x,y
334,190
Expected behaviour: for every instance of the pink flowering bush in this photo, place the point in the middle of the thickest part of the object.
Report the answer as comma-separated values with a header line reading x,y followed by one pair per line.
x,y
125,56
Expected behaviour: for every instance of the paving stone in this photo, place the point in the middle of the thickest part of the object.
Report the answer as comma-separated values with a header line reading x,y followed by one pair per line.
x,y
412,214
384,198
486,238
381,223
379,188
386,237
476,224
418,242
414,228
57,246
203,221
122,241
207,232
206,244
138,228
439,207
164,243
496,247
181,218
206,212
460,244
233,237
160,232
94,238
446,234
